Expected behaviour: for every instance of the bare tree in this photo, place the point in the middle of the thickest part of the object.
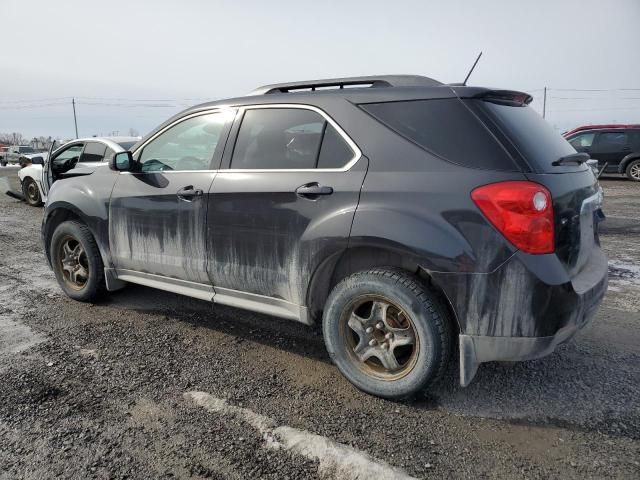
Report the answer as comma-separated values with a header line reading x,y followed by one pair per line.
x,y
17,139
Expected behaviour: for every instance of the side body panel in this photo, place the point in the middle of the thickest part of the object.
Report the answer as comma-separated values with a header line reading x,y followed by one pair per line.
x,y
265,239
153,230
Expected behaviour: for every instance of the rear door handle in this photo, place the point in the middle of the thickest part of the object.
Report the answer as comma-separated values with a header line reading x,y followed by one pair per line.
x,y
313,190
188,193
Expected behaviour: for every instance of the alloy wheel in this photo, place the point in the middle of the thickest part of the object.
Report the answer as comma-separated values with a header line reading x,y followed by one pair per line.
x,y
381,338
32,192
73,262
634,171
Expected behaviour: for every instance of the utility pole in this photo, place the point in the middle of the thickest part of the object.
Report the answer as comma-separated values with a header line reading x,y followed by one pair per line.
x,y
75,120
544,103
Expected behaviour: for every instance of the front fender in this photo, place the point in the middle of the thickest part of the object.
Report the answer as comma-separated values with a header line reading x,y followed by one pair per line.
x,y
87,199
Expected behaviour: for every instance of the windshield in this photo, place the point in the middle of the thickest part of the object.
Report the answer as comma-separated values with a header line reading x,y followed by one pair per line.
x,y
26,150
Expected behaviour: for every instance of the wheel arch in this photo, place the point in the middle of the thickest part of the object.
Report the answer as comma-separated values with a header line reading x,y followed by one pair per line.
x,y
622,166
58,213
361,258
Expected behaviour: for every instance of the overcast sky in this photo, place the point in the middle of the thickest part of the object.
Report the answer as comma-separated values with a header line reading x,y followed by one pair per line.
x,y
133,64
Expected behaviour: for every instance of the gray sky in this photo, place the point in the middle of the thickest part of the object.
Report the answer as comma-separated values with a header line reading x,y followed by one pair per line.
x,y
116,55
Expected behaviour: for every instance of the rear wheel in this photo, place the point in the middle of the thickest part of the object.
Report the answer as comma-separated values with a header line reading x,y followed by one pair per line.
x,y
76,261
387,333
31,192
633,170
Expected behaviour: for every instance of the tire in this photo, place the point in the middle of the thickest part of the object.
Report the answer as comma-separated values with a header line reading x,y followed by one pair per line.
x,y
86,283
633,170
412,311
31,192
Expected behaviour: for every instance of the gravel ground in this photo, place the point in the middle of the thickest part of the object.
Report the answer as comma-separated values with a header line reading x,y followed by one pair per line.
x,y
101,391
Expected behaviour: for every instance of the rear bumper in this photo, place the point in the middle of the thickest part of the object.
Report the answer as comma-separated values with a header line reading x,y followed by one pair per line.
x,y
476,349
524,309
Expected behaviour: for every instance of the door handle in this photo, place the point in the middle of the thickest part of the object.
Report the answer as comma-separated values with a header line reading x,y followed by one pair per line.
x,y
313,190
188,193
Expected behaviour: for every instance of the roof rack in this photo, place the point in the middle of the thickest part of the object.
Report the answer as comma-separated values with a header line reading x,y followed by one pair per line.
x,y
374,81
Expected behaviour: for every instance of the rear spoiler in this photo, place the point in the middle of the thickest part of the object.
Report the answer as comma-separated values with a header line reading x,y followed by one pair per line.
x,y
506,97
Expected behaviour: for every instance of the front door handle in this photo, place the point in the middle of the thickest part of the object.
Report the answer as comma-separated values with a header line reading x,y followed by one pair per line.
x,y
188,193
313,190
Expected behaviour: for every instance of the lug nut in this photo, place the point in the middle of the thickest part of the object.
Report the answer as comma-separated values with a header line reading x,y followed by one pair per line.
x,y
372,342
385,346
389,336
369,329
379,325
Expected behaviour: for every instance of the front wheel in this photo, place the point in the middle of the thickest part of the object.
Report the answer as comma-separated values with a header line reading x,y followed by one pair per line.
x,y
633,170
76,261
387,333
31,192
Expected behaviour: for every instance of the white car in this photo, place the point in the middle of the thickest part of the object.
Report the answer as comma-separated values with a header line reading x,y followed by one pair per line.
x,y
78,157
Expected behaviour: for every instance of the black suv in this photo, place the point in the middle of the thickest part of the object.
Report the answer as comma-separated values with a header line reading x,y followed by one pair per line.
x,y
404,214
617,149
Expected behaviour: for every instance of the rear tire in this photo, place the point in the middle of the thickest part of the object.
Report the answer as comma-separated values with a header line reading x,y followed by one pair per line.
x,y
76,262
633,170
387,332
31,192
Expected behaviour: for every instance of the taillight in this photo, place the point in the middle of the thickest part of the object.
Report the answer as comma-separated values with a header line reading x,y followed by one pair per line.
x,y
521,211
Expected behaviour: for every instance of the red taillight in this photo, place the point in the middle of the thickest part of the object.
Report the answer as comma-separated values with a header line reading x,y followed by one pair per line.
x,y
521,211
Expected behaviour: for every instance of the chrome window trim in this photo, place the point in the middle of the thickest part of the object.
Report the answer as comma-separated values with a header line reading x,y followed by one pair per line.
x,y
356,151
168,171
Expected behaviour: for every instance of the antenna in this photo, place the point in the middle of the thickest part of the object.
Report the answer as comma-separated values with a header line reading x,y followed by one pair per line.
x,y
472,68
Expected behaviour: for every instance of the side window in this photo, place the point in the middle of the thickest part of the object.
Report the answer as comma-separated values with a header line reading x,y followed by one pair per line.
x,y
107,154
334,152
189,145
71,152
584,140
93,152
612,139
447,128
288,138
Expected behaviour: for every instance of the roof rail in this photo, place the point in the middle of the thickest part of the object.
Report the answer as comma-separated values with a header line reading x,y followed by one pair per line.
x,y
373,81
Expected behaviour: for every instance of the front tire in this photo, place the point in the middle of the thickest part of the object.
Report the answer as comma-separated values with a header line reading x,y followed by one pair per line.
x,y
633,170
76,262
387,333
31,192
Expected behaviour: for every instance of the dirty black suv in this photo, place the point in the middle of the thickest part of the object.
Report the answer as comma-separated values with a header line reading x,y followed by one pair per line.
x,y
403,214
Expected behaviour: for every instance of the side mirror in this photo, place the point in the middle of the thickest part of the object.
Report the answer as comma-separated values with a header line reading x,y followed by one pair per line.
x,y
37,161
121,162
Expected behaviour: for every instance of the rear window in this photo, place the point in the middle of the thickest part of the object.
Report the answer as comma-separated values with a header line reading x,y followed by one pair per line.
x,y
445,127
535,139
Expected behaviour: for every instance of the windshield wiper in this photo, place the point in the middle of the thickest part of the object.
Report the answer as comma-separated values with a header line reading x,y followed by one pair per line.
x,y
577,158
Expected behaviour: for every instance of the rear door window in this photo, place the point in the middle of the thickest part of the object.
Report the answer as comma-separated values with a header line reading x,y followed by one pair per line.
x,y
288,139
612,140
93,152
446,128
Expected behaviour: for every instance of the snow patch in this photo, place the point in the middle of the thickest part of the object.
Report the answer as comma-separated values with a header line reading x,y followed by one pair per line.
x,y
335,460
